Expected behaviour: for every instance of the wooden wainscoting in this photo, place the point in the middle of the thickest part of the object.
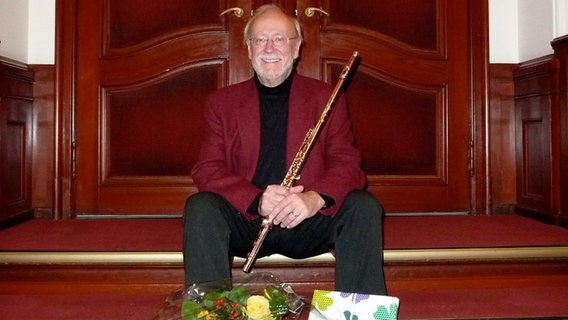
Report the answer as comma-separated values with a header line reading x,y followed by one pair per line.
x,y
16,103
44,140
560,46
502,138
537,128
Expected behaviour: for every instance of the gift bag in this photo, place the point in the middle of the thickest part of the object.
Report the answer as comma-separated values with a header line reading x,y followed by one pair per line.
x,y
335,305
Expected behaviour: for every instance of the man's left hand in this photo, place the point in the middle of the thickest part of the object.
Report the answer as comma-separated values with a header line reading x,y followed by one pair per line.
x,y
296,207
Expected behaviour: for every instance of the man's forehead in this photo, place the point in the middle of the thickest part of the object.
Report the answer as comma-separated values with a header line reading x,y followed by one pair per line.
x,y
272,22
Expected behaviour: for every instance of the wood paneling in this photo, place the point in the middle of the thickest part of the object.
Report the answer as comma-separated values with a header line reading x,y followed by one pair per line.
x,y
409,102
141,136
502,127
128,131
127,21
44,140
403,135
148,124
537,140
560,46
412,22
16,97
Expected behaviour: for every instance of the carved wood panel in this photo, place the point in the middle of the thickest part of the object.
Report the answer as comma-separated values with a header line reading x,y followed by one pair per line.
x,y
141,92
409,99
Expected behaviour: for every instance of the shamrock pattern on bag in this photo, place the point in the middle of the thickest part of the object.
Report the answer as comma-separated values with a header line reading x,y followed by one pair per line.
x,y
334,305
355,297
383,314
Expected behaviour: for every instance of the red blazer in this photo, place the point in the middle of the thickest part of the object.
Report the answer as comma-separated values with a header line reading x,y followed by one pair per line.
x,y
231,144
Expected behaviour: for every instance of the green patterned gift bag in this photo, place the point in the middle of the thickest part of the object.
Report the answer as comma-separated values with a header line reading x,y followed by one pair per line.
x,y
335,305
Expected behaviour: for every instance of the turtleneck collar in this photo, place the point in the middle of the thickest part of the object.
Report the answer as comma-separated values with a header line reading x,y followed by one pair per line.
x,y
281,88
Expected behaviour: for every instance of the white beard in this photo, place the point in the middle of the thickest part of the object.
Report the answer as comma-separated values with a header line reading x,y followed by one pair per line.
x,y
273,78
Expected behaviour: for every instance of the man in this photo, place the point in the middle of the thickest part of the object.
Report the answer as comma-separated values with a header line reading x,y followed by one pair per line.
x,y
252,131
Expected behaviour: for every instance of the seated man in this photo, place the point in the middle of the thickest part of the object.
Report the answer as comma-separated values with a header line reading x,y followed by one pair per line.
x,y
252,131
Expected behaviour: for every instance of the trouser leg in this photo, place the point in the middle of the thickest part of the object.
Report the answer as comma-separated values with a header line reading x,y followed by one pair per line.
x,y
356,235
359,245
212,232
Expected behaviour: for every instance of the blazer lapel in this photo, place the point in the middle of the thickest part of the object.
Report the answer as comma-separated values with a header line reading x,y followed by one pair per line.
x,y
300,118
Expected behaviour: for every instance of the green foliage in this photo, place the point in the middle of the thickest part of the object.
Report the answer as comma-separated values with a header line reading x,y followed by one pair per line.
x,y
217,305
231,304
190,310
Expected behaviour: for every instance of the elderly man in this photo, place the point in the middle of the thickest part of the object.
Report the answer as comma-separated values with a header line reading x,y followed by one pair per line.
x,y
252,132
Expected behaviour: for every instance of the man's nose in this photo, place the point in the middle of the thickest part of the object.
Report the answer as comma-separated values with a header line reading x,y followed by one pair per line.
x,y
269,45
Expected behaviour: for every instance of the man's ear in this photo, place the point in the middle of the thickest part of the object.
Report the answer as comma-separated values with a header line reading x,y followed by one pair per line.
x,y
249,49
297,50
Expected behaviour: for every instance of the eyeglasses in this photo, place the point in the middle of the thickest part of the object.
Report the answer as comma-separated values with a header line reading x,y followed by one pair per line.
x,y
277,41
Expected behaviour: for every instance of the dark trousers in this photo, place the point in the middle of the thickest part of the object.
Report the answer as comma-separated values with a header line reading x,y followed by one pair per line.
x,y
213,231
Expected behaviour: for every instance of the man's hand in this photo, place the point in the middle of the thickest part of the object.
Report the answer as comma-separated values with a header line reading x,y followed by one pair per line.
x,y
289,207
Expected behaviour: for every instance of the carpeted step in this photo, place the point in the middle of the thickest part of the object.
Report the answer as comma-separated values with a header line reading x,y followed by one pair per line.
x,y
439,268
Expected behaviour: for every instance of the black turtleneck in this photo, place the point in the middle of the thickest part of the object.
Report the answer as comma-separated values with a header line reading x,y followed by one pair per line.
x,y
271,166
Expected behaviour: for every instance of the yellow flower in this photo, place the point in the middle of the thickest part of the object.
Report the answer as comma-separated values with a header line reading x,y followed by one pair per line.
x,y
258,308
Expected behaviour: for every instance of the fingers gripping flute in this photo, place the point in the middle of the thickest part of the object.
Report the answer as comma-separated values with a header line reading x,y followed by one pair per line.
x,y
293,173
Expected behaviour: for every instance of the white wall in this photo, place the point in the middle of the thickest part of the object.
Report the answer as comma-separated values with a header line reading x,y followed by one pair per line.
x,y
536,28
41,38
27,30
503,30
561,25
520,30
14,29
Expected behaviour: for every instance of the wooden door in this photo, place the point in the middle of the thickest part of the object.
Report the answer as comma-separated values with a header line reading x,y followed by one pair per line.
x,y
143,69
409,98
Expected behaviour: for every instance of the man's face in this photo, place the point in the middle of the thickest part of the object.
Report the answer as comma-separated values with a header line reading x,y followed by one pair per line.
x,y
271,59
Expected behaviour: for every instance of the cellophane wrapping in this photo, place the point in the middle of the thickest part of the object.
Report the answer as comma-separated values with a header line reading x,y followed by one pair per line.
x,y
176,305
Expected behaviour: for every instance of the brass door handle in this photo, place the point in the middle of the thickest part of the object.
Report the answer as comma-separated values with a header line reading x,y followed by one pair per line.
x,y
310,11
238,12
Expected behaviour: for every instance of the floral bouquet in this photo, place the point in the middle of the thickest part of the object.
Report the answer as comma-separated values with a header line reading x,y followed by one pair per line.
x,y
257,296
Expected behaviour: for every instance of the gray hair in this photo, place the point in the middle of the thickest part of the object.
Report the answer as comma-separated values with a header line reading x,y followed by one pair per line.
x,y
265,8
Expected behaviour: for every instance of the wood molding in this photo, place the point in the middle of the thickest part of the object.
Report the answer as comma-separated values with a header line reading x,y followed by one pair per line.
x,y
480,114
502,139
64,138
391,257
43,144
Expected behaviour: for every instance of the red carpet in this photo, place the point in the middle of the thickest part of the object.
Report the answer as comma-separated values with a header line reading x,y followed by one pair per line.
x,y
166,234
483,303
79,306
486,298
